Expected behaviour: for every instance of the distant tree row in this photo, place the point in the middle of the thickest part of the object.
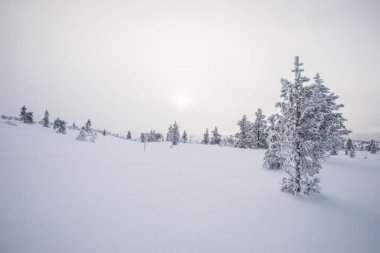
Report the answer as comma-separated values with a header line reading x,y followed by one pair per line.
x,y
86,132
350,147
58,125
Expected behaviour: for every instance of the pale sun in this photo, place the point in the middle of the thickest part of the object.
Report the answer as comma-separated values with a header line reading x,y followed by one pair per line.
x,y
182,101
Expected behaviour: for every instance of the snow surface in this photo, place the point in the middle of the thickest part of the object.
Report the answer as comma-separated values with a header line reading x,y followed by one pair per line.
x,y
61,195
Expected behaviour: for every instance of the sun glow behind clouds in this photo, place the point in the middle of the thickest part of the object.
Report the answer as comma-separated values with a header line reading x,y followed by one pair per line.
x,y
182,101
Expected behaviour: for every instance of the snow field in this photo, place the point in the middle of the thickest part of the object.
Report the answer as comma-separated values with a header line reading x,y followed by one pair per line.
x,y
62,195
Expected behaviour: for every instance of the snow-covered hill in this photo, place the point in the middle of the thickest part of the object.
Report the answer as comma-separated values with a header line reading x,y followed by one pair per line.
x,y
61,195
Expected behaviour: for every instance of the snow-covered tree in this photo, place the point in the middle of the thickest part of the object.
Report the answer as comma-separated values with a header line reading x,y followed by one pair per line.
x,y
361,145
216,138
143,137
25,116
244,136
175,134
298,136
23,113
129,136
206,137
86,133
184,137
350,148
61,127
310,127
74,126
88,125
229,141
104,132
56,123
258,131
373,147
45,121
272,158
29,118
169,135
331,122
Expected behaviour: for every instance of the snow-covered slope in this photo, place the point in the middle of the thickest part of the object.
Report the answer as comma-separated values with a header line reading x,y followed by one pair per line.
x,y
62,195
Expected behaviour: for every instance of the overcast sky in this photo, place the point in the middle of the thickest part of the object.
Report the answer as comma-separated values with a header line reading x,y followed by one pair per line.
x,y
140,65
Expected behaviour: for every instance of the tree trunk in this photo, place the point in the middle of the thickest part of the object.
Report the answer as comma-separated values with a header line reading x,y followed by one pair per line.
x,y
298,176
297,168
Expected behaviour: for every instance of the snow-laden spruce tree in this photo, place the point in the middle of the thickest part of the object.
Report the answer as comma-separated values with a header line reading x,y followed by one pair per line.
x,y
129,135
104,132
56,123
373,147
229,141
184,137
272,159
88,125
258,131
29,118
332,128
169,135
310,127
175,134
143,137
61,127
216,138
299,135
244,136
86,133
206,137
23,113
350,148
45,121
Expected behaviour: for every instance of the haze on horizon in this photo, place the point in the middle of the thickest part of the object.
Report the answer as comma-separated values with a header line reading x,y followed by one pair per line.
x,y
141,65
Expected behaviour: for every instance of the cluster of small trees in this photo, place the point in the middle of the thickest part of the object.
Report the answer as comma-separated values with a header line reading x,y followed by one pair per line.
x,y
173,134
252,134
58,125
25,116
350,146
152,136
216,138
86,133
373,147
